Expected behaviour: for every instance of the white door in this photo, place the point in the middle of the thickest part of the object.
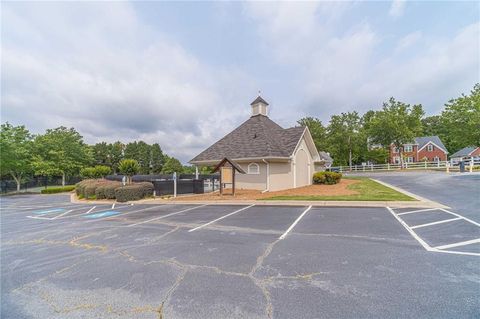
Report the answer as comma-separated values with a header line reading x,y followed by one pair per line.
x,y
301,169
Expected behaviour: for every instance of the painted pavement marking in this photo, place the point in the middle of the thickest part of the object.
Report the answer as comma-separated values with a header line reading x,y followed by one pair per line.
x,y
220,218
295,223
438,249
164,216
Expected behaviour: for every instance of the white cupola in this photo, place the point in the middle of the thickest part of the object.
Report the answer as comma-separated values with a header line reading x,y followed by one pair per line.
x,y
259,106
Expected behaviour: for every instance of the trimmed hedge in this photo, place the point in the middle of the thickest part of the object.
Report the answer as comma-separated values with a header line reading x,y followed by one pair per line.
x,y
134,191
328,178
80,187
104,189
109,189
55,190
129,192
87,188
147,188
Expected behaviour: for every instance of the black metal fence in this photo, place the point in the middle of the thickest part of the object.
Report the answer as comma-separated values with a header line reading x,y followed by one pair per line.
x,y
185,186
186,183
34,184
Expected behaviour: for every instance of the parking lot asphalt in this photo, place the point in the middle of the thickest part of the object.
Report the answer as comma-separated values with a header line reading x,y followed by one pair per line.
x,y
64,260
460,191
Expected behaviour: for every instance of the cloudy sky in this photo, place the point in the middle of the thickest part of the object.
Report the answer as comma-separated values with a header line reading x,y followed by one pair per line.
x,y
183,74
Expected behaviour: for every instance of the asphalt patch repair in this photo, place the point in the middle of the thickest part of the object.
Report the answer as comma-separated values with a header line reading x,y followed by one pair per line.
x,y
234,261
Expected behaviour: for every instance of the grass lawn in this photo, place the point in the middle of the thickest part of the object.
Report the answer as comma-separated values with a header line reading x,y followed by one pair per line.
x,y
368,190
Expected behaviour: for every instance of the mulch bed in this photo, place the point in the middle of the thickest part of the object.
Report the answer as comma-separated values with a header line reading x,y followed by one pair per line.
x,y
248,194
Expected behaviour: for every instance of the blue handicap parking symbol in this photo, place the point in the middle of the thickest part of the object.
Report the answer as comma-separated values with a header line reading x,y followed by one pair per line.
x,y
104,214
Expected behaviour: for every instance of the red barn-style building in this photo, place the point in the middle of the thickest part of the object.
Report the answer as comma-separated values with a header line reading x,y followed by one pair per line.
x,y
426,148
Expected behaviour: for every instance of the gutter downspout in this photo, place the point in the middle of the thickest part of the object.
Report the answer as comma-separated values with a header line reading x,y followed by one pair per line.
x,y
268,177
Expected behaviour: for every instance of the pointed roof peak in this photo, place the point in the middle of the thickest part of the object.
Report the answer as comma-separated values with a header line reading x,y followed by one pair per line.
x,y
259,100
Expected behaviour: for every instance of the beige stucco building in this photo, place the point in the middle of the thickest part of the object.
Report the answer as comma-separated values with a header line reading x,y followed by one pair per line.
x,y
273,158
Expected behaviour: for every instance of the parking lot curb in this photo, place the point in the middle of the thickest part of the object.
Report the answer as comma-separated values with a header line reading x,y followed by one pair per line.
x,y
417,197
419,203
395,204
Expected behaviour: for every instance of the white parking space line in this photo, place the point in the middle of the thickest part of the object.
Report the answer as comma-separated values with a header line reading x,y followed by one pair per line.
x,y
414,235
418,211
295,222
220,218
463,243
439,249
465,218
91,210
436,223
164,216
62,214
119,215
455,252
38,217
88,211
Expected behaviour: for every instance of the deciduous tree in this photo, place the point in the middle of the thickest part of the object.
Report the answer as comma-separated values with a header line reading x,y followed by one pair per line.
x,y
461,119
396,123
172,165
15,152
60,152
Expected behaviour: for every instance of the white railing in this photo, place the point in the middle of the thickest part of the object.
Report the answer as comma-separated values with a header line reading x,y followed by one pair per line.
x,y
437,165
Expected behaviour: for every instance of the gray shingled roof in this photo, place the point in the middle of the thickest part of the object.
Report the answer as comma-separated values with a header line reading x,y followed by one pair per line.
x,y
422,141
258,137
464,151
259,100
326,157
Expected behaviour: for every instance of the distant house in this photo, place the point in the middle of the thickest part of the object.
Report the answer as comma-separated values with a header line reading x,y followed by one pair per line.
x,y
426,148
466,154
273,158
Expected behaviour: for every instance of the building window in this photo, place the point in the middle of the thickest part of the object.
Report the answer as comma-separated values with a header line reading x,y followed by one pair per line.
x,y
253,168
408,148
410,159
430,147
396,160
396,150
436,159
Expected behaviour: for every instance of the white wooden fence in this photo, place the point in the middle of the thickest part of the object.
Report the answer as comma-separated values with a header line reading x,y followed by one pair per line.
x,y
437,165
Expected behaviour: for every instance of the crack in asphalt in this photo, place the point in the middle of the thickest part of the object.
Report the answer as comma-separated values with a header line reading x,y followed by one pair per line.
x,y
185,268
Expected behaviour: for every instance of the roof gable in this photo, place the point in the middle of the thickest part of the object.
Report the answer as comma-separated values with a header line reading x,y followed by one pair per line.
x,y
258,137
464,151
424,140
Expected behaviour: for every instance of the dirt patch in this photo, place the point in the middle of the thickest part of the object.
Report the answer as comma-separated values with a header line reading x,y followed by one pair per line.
x,y
248,194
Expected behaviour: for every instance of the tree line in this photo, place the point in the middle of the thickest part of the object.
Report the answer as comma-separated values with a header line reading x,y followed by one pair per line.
x,y
62,152
351,138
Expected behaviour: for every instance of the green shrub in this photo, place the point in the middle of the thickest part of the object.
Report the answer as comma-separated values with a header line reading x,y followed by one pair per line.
x,y
80,187
129,167
54,190
88,187
87,172
328,178
100,192
109,189
89,191
147,188
129,193
101,171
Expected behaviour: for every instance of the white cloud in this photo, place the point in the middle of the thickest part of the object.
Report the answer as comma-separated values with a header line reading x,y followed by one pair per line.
x,y
359,68
408,41
100,70
397,8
